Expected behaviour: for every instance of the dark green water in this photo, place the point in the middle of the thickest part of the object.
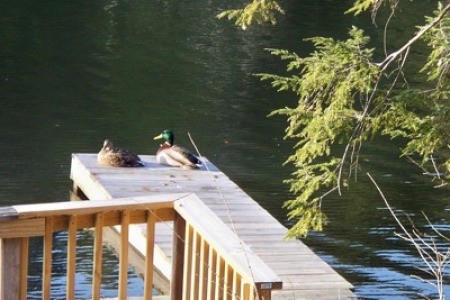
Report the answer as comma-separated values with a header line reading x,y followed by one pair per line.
x,y
75,72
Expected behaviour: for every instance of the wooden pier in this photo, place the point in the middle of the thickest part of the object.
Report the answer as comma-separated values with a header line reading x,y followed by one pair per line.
x,y
304,275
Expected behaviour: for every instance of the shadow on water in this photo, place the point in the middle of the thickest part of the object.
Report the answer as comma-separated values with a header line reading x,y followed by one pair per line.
x,y
75,72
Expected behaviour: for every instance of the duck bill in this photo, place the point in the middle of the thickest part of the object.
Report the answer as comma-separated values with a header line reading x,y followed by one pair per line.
x,y
158,137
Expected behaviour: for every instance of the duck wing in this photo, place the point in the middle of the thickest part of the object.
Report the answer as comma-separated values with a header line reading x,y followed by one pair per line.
x,y
127,158
183,156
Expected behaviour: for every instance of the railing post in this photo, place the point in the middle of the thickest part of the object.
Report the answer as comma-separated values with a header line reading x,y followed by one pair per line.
x,y
264,291
176,283
10,268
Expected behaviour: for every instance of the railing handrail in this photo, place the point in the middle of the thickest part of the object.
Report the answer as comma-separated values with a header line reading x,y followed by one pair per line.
x,y
27,211
225,241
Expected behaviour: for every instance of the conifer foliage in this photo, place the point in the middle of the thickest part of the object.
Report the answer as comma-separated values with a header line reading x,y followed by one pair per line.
x,y
345,98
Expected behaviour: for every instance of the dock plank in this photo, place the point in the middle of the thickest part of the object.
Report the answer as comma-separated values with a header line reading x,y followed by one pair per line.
x,y
305,275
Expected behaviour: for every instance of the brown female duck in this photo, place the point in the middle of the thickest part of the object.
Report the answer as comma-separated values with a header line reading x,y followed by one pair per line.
x,y
117,157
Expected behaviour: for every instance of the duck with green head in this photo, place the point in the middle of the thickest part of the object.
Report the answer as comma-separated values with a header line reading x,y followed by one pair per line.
x,y
174,155
117,157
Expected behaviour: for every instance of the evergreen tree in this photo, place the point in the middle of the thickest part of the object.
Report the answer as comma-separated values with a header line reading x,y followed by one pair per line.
x,y
346,97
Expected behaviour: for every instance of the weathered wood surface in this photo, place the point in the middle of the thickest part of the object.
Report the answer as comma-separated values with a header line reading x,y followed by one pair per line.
x,y
304,274
7,213
10,266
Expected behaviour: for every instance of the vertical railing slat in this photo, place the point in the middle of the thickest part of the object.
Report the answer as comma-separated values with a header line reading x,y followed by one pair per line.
x,y
220,277
253,291
226,282
230,282
236,286
71,257
217,287
187,263
123,257
148,276
246,290
178,257
264,294
47,268
194,265
211,274
24,249
98,254
203,272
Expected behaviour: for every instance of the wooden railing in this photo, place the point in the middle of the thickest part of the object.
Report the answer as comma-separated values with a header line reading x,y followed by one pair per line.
x,y
208,261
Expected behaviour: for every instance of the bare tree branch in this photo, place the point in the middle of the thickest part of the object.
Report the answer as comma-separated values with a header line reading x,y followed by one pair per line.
x,y
435,260
393,56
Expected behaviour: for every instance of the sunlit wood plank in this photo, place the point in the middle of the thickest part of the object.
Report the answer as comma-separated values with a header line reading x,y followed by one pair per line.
x,y
252,291
245,290
226,282
22,228
235,285
187,262
220,266
203,269
194,265
211,274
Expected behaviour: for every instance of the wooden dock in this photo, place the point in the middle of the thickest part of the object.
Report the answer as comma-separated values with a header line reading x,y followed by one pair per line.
x,y
304,274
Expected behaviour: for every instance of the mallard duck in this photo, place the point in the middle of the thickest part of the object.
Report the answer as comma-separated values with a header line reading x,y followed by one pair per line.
x,y
117,157
174,155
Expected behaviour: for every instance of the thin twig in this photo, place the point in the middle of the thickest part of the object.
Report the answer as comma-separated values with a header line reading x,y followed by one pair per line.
x,y
391,15
391,57
435,260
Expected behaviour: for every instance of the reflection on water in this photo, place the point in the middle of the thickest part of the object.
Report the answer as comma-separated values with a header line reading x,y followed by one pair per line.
x,y
75,72
83,276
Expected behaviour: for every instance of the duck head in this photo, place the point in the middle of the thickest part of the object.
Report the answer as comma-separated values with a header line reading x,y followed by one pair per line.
x,y
108,145
167,135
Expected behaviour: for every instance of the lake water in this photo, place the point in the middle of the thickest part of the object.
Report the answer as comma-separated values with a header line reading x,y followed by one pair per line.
x,y
75,72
